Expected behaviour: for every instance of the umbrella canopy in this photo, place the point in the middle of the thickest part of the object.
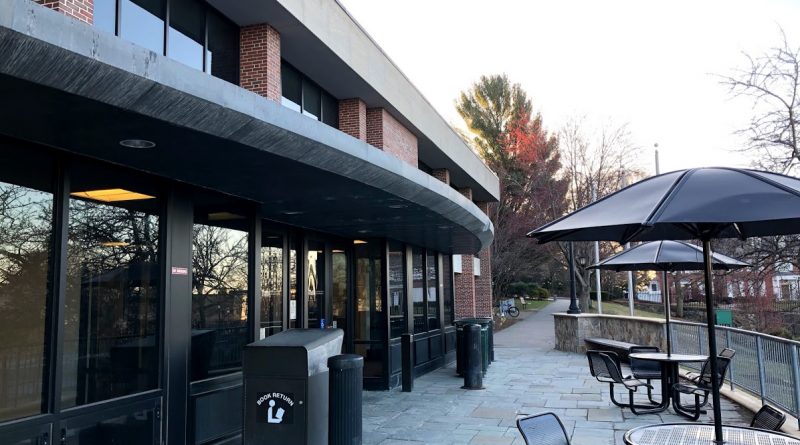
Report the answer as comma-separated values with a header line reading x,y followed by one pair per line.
x,y
700,203
665,256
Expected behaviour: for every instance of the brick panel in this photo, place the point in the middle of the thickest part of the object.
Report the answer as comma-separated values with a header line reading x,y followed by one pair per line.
x,y
260,60
442,174
82,10
386,133
353,118
483,283
464,286
466,191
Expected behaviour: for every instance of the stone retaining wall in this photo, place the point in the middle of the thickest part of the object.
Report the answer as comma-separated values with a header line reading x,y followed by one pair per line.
x,y
572,329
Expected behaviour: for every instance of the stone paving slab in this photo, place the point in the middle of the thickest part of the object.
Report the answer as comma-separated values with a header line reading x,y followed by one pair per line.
x,y
523,381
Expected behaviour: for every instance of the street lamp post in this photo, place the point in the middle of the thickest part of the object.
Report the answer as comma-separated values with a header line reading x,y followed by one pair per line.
x,y
573,300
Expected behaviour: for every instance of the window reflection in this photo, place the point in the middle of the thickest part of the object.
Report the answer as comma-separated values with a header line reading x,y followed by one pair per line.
x,y
316,284
370,323
222,57
418,289
397,286
432,295
142,22
104,15
25,240
272,275
339,288
112,297
447,289
186,33
293,307
219,299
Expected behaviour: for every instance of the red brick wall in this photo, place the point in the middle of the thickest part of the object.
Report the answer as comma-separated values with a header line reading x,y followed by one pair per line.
x,y
442,174
82,10
483,283
464,285
386,133
260,60
353,118
467,192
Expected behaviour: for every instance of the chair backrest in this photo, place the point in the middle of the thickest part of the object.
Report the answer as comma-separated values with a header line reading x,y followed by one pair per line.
x,y
639,367
543,429
604,364
727,353
722,369
768,418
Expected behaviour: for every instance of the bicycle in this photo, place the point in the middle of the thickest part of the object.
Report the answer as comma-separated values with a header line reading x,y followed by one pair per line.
x,y
508,308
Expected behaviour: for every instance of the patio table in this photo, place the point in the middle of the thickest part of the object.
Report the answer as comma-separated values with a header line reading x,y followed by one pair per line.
x,y
669,370
703,434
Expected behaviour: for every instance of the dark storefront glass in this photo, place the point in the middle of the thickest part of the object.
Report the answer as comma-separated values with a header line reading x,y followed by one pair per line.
x,y
219,293
312,101
186,33
293,306
291,87
272,276
26,231
222,57
370,325
142,22
447,289
432,295
339,288
330,110
104,15
418,289
315,264
397,287
139,427
111,314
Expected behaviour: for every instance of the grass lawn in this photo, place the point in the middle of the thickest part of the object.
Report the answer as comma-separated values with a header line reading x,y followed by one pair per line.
x,y
531,305
611,308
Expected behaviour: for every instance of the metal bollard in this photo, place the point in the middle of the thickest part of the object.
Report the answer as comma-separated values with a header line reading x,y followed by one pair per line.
x,y
491,341
346,376
473,365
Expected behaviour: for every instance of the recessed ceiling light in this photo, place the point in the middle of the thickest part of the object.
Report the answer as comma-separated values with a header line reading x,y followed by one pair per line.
x,y
338,251
223,216
363,231
111,195
398,206
445,227
359,241
137,143
292,212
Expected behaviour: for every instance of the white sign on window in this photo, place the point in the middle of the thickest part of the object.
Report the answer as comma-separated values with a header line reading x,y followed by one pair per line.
x,y
292,309
476,266
457,263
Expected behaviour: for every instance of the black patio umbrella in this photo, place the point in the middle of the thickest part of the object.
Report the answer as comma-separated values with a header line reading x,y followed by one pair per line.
x,y
701,203
665,256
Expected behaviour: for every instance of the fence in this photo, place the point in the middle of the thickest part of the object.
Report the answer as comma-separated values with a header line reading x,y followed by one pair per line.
x,y
766,366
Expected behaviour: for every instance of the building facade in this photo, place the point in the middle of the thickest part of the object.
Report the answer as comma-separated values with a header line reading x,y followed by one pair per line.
x,y
179,178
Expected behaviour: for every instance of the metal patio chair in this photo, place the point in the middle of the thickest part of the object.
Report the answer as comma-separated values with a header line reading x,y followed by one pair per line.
x,y
605,368
543,429
646,370
699,389
695,376
768,418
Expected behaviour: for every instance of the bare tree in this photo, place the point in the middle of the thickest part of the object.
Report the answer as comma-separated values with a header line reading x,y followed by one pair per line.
x,y
771,81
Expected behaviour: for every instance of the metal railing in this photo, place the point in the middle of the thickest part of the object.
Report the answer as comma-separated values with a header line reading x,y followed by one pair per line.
x,y
767,366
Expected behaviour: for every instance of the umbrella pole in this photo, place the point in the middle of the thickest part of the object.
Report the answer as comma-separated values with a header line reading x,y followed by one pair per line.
x,y
712,342
666,312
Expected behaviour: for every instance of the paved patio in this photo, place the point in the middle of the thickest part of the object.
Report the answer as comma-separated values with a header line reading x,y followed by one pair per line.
x,y
528,377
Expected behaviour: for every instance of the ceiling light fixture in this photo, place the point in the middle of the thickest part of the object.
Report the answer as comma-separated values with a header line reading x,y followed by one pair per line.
x,y
137,143
111,195
223,216
359,241
398,206
292,212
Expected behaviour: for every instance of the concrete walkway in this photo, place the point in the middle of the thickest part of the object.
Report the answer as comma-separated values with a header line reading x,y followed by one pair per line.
x,y
528,377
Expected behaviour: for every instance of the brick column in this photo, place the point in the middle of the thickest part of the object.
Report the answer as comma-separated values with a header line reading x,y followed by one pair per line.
x,y
483,283
82,10
353,118
386,133
464,282
260,60
442,174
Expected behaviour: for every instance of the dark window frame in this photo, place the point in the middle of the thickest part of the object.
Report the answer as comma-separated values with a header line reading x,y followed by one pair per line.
x,y
323,96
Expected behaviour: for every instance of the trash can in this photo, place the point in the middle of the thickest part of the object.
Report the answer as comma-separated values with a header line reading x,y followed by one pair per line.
x,y
286,387
346,373
460,345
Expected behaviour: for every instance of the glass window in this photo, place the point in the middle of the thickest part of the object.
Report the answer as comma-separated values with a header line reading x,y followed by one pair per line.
x,y
330,110
418,289
272,275
370,324
26,231
291,87
139,427
316,284
312,105
339,288
104,15
432,295
219,293
397,289
111,313
447,289
186,33
222,57
142,22
293,307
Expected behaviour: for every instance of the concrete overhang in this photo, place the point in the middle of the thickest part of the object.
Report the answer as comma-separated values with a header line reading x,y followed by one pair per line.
x,y
68,85
322,40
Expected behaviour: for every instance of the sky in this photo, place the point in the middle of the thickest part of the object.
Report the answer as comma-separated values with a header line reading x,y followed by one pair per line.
x,y
649,65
